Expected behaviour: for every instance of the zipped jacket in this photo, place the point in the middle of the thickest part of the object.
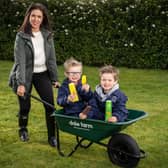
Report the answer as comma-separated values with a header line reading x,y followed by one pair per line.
x,y
119,110
73,108
22,70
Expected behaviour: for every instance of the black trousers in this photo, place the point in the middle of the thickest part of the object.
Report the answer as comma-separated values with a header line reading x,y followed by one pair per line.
x,y
43,86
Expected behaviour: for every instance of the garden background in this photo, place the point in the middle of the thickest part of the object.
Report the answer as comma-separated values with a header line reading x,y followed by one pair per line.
x,y
130,34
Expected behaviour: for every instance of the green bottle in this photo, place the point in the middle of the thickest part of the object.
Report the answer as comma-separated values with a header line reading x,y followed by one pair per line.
x,y
108,110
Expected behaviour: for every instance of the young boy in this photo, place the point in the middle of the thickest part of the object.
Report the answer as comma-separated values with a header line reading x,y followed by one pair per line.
x,y
73,72
108,89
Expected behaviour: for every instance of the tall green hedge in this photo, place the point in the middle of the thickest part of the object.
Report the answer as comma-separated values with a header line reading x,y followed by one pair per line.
x,y
132,33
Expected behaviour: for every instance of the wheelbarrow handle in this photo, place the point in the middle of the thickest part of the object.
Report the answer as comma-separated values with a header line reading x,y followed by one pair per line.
x,y
142,154
42,101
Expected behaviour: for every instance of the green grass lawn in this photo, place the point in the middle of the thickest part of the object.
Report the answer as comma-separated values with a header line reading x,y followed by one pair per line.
x,y
147,90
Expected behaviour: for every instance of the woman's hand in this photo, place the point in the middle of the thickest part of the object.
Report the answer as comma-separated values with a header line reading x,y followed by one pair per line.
x,y
56,84
21,90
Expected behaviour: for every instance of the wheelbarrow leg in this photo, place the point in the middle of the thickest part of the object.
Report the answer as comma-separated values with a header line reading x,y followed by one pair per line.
x,y
59,145
83,145
58,140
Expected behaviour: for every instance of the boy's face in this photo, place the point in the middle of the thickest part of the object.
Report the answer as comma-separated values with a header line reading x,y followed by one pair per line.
x,y
107,81
74,74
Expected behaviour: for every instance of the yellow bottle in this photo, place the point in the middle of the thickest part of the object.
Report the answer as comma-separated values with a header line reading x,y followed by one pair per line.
x,y
84,79
73,91
108,110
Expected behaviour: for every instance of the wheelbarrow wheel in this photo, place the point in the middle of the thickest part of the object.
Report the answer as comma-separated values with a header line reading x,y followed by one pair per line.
x,y
123,150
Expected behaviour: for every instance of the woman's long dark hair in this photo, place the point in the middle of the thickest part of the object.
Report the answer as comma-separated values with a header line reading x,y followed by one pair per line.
x,y
26,27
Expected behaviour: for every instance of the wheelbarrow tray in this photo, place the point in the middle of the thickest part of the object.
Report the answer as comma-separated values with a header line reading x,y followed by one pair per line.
x,y
94,130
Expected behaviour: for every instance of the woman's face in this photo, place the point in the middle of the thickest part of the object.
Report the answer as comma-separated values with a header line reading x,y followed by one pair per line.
x,y
35,19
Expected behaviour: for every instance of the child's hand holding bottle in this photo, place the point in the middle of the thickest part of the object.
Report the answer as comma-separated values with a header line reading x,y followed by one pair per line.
x,y
112,119
73,97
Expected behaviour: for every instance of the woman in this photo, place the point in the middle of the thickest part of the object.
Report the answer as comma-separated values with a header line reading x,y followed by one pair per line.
x,y
35,65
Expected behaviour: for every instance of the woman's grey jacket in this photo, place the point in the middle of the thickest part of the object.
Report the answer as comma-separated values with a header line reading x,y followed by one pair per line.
x,y
22,70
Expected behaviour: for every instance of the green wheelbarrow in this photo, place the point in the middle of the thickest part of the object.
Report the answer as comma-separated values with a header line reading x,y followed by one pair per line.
x,y
122,149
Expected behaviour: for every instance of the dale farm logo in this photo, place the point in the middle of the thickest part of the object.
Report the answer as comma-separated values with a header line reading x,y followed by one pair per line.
x,y
80,125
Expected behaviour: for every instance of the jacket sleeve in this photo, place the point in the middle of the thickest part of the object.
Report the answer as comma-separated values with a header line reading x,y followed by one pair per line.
x,y
20,60
52,66
94,112
86,96
119,108
62,96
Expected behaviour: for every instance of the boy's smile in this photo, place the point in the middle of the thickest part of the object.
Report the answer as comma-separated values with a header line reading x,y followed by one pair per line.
x,y
107,81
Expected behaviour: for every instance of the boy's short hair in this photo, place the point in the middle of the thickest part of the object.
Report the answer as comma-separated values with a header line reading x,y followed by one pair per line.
x,y
109,69
71,62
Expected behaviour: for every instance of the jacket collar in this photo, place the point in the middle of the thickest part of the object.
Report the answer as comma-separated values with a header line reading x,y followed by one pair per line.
x,y
46,34
104,96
